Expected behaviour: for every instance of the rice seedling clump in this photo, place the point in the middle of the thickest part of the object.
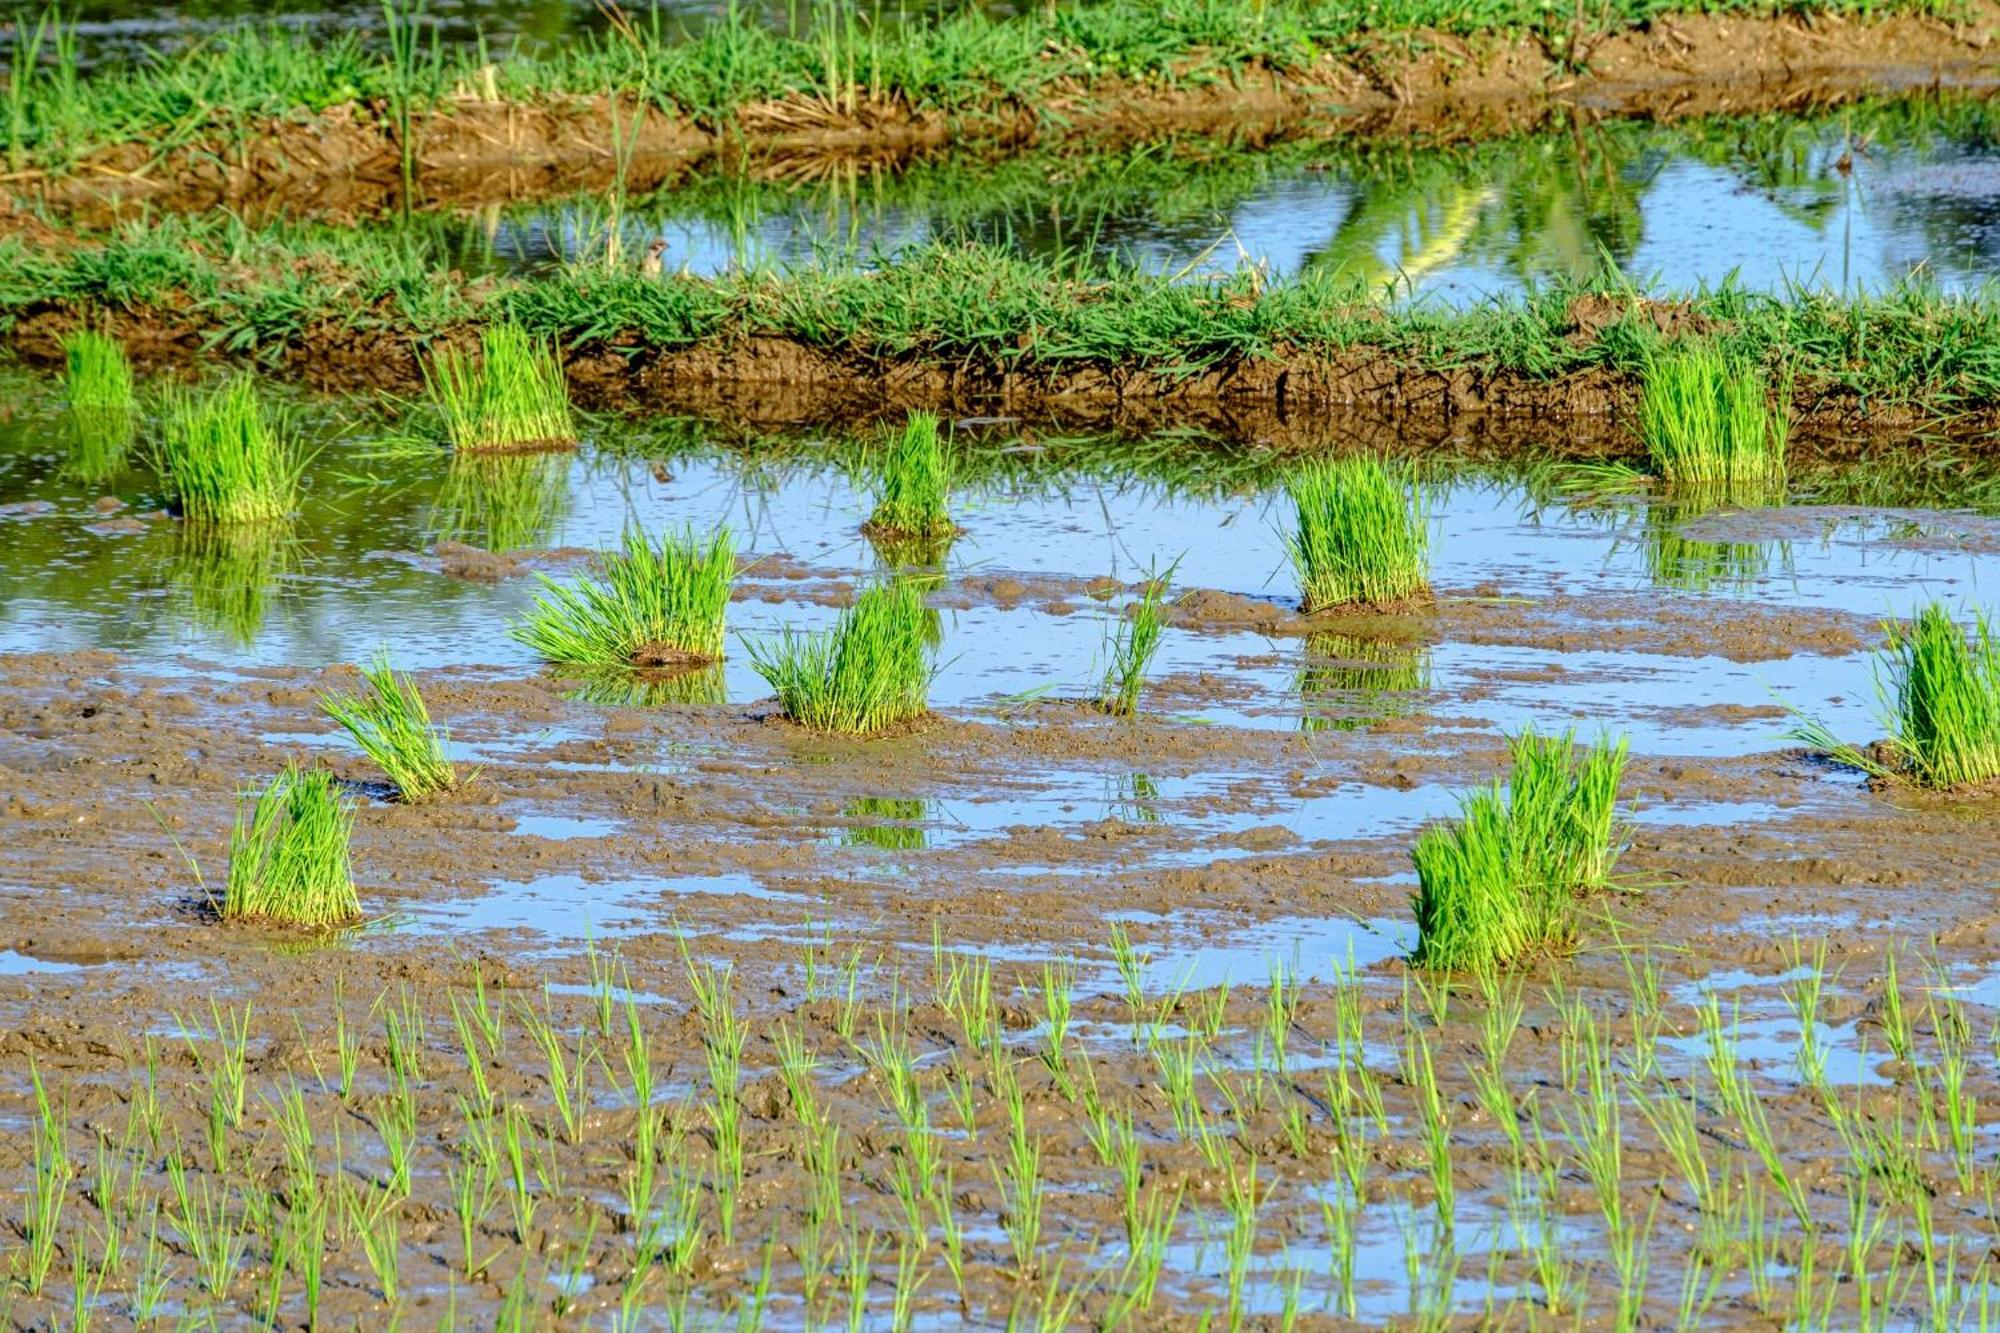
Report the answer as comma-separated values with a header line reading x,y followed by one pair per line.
x,y
513,395
1133,647
912,491
393,727
869,672
1940,689
225,458
1499,884
96,375
288,857
650,605
1361,537
1708,425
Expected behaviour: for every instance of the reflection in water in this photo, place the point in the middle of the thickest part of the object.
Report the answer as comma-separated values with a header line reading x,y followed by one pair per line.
x,y
99,439
892,823
1857,199
1136,798
650,689
230,574
503,502
1689,564
1347,682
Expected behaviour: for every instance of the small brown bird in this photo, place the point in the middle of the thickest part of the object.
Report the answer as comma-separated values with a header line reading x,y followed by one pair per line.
x,y
651,265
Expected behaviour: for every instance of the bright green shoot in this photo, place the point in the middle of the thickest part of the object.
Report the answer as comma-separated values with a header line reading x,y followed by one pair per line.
x,y
1133,647
648,606
1707,423
869,672
513,395
96,375
1940,688
288,853
393,727
225,458
913,490
1499,884
1362,538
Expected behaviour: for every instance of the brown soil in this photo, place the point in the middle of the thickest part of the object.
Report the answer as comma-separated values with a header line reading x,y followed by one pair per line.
x,y
346,162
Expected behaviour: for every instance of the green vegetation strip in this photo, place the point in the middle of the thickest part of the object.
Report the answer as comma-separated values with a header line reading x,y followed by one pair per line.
x,y
978,308
53,116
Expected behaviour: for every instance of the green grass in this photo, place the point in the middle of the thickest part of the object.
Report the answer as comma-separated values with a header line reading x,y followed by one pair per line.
x,y
511,396
393,727
1940,687
1498,886
225,458
1133,647
650,605
1361,536
913,486
96,375
1710,426
288,858
871,671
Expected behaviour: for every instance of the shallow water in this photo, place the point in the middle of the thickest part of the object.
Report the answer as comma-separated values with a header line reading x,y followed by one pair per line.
x,y
1849,202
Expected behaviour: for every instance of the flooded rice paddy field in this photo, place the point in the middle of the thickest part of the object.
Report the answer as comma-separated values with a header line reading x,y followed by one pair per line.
x,y
1850,201
1024,1016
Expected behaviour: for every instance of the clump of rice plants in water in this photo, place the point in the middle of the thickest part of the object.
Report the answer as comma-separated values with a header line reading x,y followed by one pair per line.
x,y
1709,426
913,489
1940,690
393,727
1362,538
1133,647
1499,884
513,395
288,859
869,672
225,458
650,605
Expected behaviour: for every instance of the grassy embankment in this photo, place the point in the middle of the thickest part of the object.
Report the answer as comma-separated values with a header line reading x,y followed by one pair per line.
x,y
968,308
734,73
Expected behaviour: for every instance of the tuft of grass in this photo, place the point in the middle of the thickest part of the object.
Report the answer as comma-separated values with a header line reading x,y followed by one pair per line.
x,y
96,375
225,459
869,672
1940,689
393,727
1133,647
913,486
647,606
1361,538
513,395
1708,425
1499,884
288,859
